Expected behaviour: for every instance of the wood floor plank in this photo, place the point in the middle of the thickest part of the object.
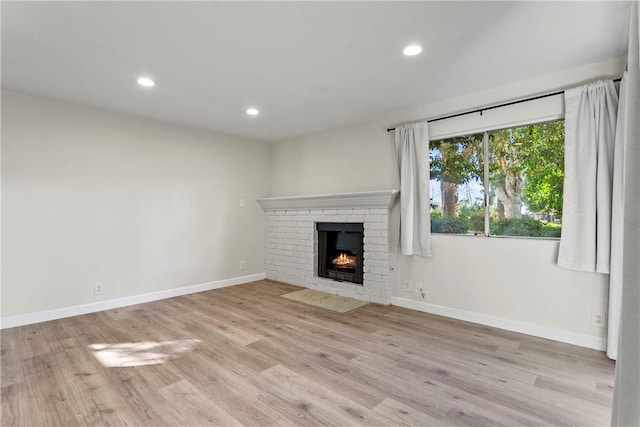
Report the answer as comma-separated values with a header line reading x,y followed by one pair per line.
x,y
142,402
309,399
331,371
11,370
15,400
405,415
48,402
238,396
194,406
483,364
236,333
243,355
77,377
438,390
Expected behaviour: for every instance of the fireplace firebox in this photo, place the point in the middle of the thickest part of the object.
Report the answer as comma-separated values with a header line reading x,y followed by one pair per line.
x,y
341,251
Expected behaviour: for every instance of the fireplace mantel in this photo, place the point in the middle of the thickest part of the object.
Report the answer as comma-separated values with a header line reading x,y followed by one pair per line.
x,y
371,199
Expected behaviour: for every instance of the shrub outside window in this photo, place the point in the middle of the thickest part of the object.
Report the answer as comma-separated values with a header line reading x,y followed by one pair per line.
x,y
519,192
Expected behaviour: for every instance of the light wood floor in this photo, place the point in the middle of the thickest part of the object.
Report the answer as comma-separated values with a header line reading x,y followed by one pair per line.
x,y
245,356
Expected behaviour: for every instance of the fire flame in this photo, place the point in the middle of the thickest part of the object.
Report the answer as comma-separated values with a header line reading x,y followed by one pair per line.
x,y
344,261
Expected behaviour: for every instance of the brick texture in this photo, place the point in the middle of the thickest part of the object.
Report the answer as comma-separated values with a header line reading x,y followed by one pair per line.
x,y
291,251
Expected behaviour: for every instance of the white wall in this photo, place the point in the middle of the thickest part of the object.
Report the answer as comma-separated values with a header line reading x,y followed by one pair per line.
x,y
350,159
139,205
510,282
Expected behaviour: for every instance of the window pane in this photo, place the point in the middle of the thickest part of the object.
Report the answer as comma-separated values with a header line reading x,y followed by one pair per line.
x,y
456,185
526,170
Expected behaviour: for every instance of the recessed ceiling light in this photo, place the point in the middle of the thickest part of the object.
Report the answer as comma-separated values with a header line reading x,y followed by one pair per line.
x,y
146,82
412,50
252,111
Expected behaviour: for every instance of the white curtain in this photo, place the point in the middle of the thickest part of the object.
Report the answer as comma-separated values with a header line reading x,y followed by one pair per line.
x,y
617,229
590,124
412,147
626,397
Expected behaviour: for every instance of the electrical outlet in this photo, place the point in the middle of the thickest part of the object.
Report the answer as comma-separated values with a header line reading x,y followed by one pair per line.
x,y
242,265
98,288
243,203
407,285
597,319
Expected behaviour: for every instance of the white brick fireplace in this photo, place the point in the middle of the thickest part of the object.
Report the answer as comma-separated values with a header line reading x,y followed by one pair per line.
x,y
291,240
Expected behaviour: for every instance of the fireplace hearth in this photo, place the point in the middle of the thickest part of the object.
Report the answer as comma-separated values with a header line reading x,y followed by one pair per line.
x,y
341,251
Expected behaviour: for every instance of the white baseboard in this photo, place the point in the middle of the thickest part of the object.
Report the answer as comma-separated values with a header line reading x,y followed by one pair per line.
x,y
568,337
59,313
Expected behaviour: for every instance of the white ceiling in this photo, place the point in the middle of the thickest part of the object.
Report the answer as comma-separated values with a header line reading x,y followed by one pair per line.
x,y
307,66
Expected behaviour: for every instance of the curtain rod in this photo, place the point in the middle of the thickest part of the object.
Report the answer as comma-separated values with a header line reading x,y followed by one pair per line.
x,y
506,104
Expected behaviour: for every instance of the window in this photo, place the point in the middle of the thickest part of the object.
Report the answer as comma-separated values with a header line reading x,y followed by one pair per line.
x,y
517,193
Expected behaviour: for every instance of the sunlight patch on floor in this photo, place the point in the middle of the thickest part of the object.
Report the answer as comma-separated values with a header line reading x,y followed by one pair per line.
x,y
141,353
